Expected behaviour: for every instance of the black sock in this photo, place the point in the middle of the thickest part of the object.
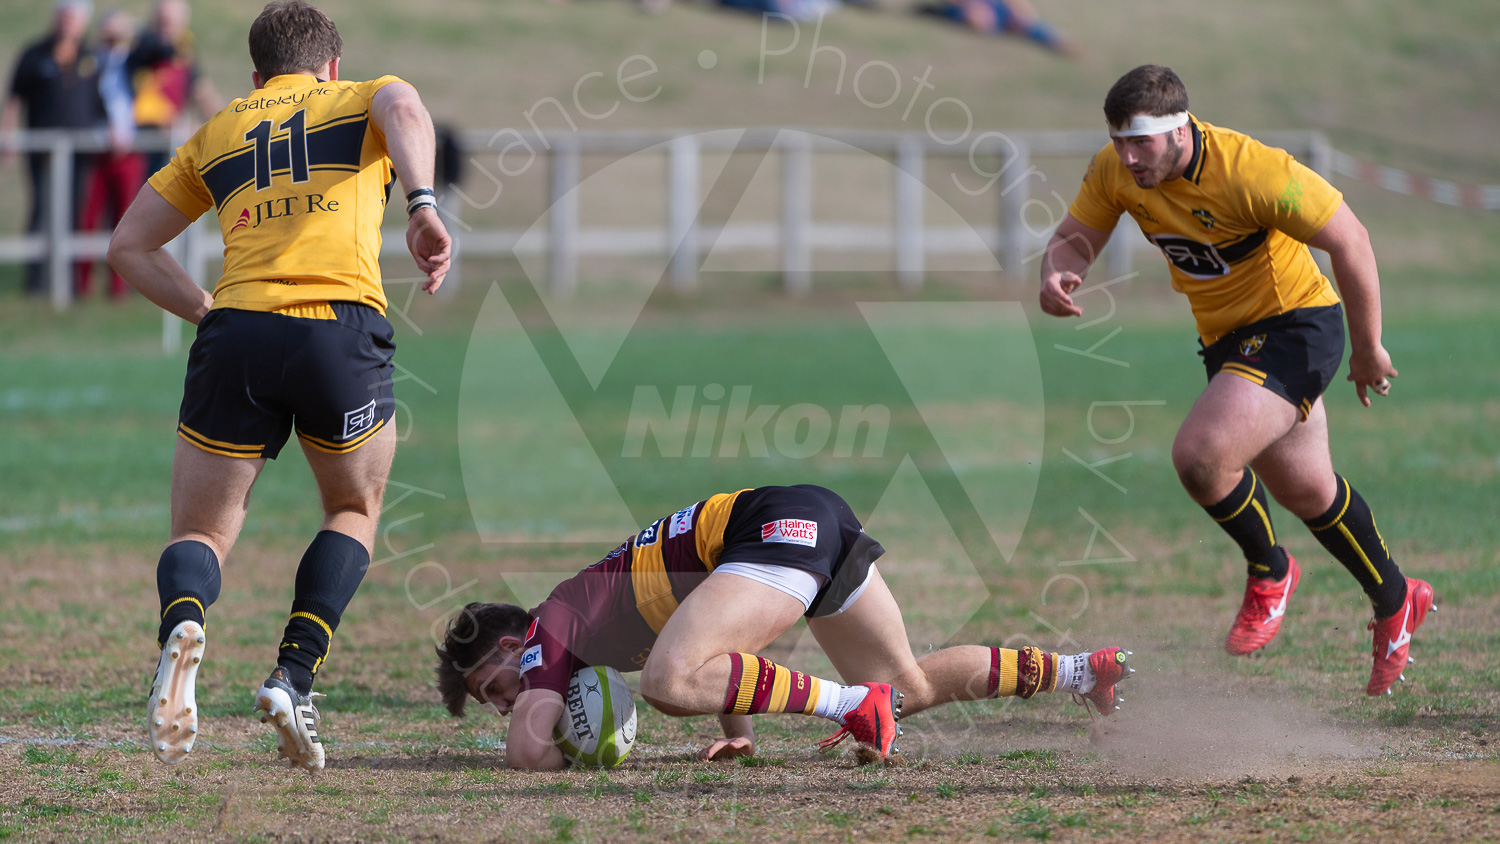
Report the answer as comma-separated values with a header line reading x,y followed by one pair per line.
x,y
187,581
327,578
1348,531
1243,515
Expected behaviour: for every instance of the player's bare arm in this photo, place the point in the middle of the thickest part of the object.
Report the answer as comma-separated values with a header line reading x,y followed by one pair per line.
x,y
1347,243
738,740
1071,251
529,744
398,112
136,253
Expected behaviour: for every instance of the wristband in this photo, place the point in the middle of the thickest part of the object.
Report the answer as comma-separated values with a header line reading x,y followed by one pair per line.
x,y
419,192
418,204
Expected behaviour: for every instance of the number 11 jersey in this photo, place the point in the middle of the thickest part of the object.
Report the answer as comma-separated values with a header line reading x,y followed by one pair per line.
x,y
298,176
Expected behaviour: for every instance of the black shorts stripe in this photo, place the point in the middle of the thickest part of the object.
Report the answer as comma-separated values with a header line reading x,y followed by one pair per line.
x,y
216,446
341,448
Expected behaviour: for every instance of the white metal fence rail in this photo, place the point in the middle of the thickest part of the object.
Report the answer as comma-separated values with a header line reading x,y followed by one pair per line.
x,y
681,235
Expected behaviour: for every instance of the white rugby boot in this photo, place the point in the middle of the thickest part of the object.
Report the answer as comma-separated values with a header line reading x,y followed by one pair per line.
x,y
295,720
172,710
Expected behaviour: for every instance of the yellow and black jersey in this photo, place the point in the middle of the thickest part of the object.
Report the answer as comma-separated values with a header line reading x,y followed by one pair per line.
x,y
298,176
1233,227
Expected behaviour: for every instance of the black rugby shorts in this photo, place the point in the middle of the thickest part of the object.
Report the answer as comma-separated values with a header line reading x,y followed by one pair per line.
x,y
252,376
803,527
1294,355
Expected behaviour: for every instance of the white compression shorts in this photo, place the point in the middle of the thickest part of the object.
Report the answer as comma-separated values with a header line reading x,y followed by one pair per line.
x,y
795,582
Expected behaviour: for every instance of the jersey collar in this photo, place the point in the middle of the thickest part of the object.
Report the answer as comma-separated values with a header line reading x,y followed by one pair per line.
x,y
1194,169
291,80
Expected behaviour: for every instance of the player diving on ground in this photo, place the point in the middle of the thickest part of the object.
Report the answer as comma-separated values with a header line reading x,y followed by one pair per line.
x,y
691,600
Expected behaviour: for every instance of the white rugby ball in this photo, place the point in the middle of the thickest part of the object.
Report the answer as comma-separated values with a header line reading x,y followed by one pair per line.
x,y
597,727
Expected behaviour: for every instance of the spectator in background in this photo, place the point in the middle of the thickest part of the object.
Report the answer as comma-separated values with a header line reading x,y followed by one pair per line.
x,y
164,69
119,173
1016,17
56,81
801,10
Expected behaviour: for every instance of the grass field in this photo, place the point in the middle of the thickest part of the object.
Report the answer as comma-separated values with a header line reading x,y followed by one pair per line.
x,y
955,421
1280,747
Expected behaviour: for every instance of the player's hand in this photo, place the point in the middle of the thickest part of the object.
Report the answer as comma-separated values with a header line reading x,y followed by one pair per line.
x,y
1055,290
1371,370
430,245
727,748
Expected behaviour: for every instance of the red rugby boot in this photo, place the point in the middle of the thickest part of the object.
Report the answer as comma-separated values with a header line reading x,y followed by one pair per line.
x,y
872,723
1259,618
1110,667
1393,637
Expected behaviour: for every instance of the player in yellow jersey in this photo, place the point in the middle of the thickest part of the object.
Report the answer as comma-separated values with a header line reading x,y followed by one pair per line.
x,y
293,336
1234,218
690,599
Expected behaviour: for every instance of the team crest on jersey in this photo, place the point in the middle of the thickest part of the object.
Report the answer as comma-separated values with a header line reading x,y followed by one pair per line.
x,y
791,531
681,521
649,535
1204,217
1251,345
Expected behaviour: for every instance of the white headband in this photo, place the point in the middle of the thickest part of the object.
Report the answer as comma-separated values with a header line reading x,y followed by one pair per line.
x,y
1146,124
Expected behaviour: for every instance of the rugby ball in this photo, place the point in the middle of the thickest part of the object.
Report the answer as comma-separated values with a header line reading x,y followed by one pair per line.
x,y
597,726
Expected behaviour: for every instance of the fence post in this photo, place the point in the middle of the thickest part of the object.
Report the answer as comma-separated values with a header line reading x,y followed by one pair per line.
x,y
450,207
563,239
1119,260
796,212
682,212
1013,235
1320,161
60,220
910,219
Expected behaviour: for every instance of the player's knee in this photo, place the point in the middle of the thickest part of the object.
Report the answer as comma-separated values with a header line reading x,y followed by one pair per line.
x,y
663,678
355,503
1199,472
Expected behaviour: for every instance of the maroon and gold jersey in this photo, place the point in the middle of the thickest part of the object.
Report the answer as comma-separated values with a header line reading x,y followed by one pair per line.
x,y
1233,227
611,612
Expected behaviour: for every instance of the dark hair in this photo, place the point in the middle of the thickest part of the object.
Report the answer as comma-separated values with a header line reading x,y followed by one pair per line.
x,y
471,641
1150,89
290,36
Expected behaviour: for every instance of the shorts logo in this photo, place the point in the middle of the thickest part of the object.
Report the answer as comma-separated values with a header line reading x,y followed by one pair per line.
x,y
358,421
531,658
1251,345
1204,217
793,531
681,521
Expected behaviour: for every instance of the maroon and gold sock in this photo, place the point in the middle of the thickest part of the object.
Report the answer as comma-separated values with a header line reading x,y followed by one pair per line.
x,y
1021,673
759,685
